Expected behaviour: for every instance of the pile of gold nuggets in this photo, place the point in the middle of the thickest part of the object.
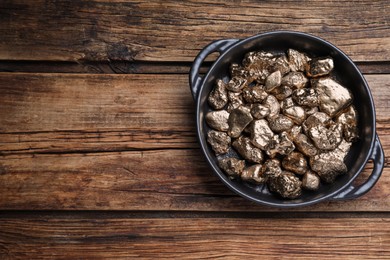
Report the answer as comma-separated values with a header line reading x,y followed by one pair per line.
x,y
288,119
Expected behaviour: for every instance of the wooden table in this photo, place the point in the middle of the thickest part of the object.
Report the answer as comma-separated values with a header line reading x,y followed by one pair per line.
x,y
99,157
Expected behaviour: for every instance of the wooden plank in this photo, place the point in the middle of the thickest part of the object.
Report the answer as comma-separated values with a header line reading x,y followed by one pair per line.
x,y
140,180
176,30
194,238
137,67
83,142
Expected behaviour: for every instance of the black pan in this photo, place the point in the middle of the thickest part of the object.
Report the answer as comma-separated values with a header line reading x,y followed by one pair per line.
x,y
368,147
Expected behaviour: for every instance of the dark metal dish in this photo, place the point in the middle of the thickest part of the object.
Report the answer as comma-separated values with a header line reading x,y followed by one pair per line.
x,y
368,147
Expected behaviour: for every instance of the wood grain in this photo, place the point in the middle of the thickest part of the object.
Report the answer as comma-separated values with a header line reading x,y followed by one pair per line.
x,y
140,180
194,238
47,113
176,30
123,142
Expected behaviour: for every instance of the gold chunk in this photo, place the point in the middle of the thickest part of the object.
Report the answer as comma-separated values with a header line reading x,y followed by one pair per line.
x,y
318,118
310,110
239,118
281,64
294,80
259,111
326,138
305,97
271,168
258,64
332,96
328,166
280,123
253,174
304,145
219,141
295,162
247,150
294,132
280,144
320,67
342,150
254,94
286,185
286,103
349,121
282,92
310,181
235,101
218,97
273,81
298,61
236,84
295,113
261,134
238,71
273,104
218,120
232,166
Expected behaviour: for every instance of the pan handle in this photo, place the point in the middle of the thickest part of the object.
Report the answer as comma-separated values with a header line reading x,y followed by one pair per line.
x,y
216,46
378,157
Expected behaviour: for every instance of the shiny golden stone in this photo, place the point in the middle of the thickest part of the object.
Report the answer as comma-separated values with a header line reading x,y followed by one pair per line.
x,y
305,145
286,185
261,134
298,61
218,97
294,80
258,64
326,138
328,166
238,71
349,121
318,118
239,118
310,110
236,84
305,97
295,162
282,92
280,123
294,132
254,94
219,141
273,81
310,181
232,166
247,150
296,114
253,174
259,111
280,144
286,103
320,67
281,64
271,168
235,101
332,96
273,104
218,120
342,150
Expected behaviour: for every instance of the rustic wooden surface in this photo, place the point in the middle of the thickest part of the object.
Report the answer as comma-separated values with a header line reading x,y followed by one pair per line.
x,y
98,151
